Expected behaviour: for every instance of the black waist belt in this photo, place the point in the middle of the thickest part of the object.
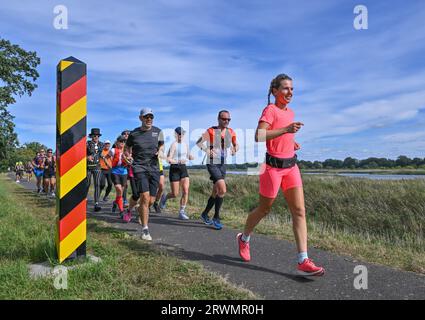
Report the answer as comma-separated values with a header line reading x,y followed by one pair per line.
x,y
281,162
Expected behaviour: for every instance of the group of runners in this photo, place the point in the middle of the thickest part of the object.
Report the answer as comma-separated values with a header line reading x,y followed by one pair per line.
x,y
43,165
136,157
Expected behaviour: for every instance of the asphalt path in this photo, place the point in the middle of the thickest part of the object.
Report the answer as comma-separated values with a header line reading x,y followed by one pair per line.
x,y
271,272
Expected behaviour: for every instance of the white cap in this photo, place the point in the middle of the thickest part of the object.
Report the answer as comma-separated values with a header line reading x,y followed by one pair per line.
x,y
107,141
146,111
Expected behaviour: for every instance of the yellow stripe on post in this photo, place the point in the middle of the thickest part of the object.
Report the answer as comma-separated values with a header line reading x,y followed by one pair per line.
x,y
73,114
64,64
73,177
75,238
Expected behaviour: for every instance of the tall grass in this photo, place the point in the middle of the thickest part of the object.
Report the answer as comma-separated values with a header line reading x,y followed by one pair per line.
x,y
392,209
378,220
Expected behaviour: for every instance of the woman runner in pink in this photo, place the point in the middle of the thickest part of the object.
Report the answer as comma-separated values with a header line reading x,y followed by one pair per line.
x,y
277,127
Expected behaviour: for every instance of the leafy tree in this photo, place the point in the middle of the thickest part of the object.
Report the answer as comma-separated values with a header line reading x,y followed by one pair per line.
x,y
17,77
350,163
403,161
317,165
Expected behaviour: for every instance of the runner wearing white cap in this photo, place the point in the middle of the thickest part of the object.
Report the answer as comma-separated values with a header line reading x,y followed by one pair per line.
x,y
143,144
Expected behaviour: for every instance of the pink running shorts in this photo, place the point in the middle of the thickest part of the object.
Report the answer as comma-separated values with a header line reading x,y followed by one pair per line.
x,y
271,179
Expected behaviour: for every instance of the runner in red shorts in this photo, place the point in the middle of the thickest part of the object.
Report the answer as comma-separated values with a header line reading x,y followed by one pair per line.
x,y
277,127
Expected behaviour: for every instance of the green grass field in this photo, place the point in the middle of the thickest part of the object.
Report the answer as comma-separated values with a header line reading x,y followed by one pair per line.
x,y
130,268
377,221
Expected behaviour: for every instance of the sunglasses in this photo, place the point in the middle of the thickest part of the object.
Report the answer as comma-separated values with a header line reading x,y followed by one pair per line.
x,y
225,119
149,116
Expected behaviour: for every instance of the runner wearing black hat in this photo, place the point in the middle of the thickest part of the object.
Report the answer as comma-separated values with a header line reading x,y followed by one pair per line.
x,y
94,152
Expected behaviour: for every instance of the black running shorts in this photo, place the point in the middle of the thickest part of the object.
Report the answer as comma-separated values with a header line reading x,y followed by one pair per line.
x,y
178,172
47,174
217,171
119,179
147,182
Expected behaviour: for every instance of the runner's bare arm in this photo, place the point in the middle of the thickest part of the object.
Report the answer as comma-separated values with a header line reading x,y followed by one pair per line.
x,y
128,149
263,133
235,148
161,153
189,155
200,144
170,158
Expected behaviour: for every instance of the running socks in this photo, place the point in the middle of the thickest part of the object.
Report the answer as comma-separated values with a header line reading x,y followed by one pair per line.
x,y
182,208
218,203
120,203
302,256
245,238
210,204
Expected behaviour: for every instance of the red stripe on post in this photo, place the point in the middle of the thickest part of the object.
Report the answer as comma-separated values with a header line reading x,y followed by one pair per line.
x,y
73,93
73,156
72,220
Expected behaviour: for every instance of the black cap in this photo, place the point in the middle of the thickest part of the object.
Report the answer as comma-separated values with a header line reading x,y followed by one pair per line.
x,y
122,133
179,130
121,139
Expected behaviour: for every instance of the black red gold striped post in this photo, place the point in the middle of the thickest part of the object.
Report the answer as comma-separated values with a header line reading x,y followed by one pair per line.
x,y
71,155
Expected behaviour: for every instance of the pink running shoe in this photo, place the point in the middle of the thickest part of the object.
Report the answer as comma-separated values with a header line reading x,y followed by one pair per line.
x,y
243,248
127,216
308,268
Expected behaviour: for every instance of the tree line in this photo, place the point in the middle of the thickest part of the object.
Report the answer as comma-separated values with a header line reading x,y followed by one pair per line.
x,y
369,163
347,163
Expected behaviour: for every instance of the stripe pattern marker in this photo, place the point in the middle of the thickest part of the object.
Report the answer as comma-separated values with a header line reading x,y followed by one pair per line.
x,y
71,173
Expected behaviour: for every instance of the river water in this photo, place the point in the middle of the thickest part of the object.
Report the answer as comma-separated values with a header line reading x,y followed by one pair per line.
x,y
359,175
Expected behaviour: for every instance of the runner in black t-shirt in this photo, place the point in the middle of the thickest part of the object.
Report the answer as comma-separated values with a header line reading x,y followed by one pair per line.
x,y
143,144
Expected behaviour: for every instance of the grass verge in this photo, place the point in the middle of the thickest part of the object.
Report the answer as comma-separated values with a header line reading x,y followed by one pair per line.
x,y
130,268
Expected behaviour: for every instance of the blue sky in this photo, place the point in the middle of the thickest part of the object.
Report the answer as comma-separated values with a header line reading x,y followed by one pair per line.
x,y
360,93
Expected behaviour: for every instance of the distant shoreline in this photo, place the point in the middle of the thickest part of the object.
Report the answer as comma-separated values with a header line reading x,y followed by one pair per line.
x,y
336,171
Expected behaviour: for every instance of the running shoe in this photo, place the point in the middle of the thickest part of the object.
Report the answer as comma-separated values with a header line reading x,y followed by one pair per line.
x,y
105,199
163,201
127,216
244,251
206,219
125,203
53,194
97,208
145,235
183,216
156,207
114,206
308,268
217,224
